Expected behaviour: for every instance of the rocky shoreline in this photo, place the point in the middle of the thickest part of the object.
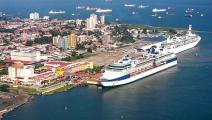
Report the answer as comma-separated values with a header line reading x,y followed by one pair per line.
x,y
10,101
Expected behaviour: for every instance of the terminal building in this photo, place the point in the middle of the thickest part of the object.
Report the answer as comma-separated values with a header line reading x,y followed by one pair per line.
x,y
25,55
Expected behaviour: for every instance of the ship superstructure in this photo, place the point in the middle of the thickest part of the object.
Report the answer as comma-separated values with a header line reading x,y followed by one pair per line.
x,y
181,42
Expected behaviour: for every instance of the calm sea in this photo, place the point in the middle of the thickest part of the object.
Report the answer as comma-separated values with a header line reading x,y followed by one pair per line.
x,y
180,93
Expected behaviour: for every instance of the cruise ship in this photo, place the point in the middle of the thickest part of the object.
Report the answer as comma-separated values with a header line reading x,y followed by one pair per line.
x,y
137,66
56,12
181,42
103,10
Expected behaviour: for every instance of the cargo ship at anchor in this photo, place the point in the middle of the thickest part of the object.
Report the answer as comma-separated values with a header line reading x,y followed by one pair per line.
x,y
133,68
56,12
103,10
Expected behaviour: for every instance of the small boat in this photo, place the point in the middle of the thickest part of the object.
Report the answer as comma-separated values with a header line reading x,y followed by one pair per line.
x,y
189,10
160,17
189,15
143,6
154,15
170,14
75,14
134,13
202,15
169,8
80,7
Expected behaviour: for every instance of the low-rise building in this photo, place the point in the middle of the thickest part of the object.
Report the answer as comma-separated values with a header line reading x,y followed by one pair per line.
x,y
25,55
19,71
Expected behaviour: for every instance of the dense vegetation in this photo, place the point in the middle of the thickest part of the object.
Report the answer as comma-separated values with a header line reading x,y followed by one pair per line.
x,y
43,40
123,35
4,88
3,71
5,30
29,43
74,56
96,69
57,32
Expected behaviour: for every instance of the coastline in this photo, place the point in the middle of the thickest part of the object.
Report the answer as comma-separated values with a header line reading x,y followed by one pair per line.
x,y
16,100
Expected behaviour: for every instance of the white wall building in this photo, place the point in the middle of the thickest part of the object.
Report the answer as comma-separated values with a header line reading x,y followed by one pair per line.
x,y
102,19
29,55
91,22
20,71
34,16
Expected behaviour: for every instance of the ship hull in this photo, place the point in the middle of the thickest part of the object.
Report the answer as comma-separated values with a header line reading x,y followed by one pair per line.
x,y
139,76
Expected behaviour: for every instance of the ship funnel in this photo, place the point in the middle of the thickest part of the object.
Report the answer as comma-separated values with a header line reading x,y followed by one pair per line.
x,y
168,39
190,29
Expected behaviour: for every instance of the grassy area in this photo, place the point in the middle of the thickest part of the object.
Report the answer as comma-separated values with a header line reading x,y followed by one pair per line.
x,y
62,89
29,91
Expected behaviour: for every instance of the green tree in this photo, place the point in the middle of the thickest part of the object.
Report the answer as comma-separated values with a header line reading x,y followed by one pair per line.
x,y
73,53
54,32
127,39
89,50
2,63
172,31
4,71
144,31
43,40
29,43
4,88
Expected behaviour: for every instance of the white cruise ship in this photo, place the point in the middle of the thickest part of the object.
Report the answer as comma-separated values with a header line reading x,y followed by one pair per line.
x,y
181,42
137,66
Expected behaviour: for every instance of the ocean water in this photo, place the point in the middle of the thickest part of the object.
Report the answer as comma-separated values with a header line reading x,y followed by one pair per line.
x,y
179,93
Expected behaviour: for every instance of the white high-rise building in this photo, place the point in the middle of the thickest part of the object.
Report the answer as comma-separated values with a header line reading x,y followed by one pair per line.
x,y
78,22
34,16
102,19
92,22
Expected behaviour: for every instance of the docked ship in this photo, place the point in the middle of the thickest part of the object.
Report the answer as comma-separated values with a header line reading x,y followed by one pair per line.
x,y
135,67
155,10
181,42
103,10
56,12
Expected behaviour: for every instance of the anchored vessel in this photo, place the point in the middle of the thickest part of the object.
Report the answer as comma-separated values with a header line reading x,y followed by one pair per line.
x,y
129,5
103,10
181,42
137,66
155,10
56,12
